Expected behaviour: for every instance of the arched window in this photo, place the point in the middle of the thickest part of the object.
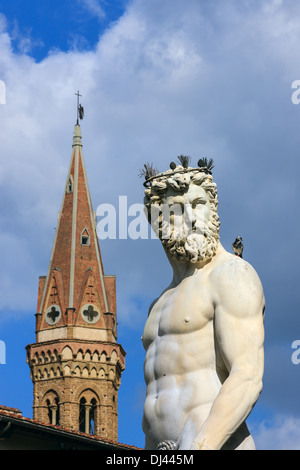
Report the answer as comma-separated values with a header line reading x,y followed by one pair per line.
x,y
82,415
87,414
52,404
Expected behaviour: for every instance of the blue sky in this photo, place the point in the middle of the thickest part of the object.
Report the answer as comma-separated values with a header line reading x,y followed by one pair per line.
x,y
48,26
158,79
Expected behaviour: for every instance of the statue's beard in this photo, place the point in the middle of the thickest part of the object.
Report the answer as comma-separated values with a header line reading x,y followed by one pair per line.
x,y
197,244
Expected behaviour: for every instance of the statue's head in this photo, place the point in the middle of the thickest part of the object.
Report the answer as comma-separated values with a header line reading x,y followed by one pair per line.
x,y
182,208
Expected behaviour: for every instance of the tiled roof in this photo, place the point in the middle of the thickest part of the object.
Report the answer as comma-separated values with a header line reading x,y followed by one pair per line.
x,y
16,416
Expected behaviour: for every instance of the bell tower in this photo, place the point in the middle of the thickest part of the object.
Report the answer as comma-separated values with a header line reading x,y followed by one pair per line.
x,y
76,362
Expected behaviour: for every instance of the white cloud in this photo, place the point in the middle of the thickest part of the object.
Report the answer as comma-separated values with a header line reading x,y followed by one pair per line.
x,y
282,433
94,7
165,79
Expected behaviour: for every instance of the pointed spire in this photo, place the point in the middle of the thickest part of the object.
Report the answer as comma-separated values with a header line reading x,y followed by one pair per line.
x,y
76,336
76,247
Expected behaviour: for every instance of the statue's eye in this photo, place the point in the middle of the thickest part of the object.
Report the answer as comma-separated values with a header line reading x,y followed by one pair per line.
x,y
197,202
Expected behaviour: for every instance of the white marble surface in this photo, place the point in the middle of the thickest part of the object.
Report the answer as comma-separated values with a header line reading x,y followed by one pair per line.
x,y
204,345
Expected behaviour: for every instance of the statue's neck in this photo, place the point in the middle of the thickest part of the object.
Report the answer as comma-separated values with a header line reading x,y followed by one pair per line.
x,y
184,269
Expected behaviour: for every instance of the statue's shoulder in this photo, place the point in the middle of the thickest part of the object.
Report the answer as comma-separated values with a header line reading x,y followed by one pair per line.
x,y
236,286
231,271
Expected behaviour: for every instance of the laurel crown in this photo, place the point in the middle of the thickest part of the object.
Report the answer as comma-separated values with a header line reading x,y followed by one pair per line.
x,y
150,173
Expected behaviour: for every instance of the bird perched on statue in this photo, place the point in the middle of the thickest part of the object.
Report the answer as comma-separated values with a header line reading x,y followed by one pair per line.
x,y
238,246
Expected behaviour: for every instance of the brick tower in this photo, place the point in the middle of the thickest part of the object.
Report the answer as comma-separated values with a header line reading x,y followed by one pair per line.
x,y
76,362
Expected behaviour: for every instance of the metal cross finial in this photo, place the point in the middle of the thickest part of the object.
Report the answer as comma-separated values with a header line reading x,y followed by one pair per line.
x,y
80,110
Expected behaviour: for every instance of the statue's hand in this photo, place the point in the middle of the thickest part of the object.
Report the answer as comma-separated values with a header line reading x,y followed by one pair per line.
x,y
199,446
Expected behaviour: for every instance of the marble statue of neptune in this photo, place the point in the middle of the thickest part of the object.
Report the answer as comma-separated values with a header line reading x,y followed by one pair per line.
x,y
204,334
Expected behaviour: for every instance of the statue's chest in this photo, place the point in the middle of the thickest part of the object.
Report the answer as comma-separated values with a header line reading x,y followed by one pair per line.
x,y
183,309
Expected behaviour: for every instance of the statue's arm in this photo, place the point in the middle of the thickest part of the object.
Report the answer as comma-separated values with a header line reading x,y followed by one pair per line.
x,y
239,332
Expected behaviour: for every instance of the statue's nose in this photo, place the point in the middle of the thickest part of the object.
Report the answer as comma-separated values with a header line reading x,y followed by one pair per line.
x,y
189,214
